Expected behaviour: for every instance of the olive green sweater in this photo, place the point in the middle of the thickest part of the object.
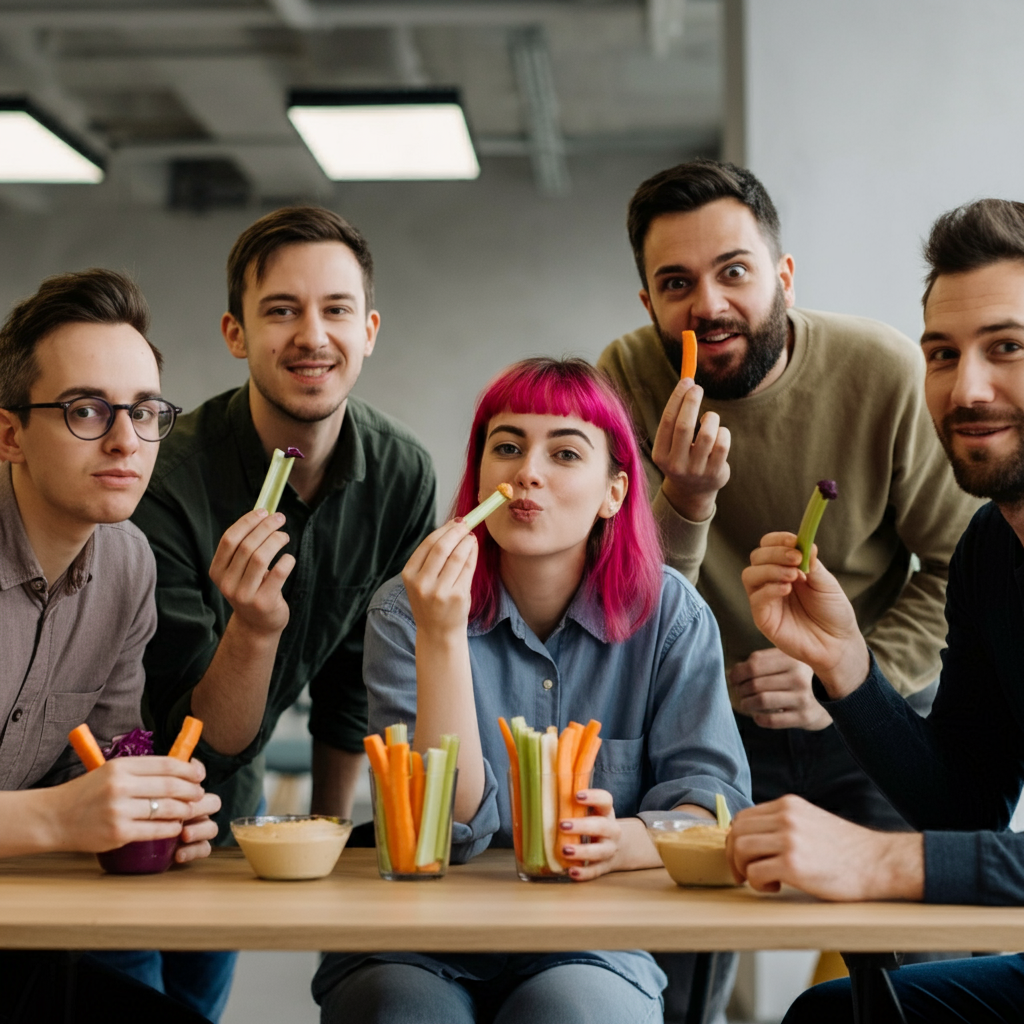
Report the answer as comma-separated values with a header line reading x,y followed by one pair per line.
x,y
849,407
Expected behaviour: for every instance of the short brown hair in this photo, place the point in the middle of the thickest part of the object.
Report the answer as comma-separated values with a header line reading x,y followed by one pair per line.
x,y
690,186
95,296
289,226
973,236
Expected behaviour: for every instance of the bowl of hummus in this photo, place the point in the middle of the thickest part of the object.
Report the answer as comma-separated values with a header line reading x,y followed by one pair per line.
x,y
291,847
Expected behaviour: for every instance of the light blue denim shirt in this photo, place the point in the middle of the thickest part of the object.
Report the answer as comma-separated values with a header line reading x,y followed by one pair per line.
x,y
669,735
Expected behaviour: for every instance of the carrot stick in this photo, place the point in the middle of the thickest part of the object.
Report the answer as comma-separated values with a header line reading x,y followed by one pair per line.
x,y
517,808
568,747
589,746
689,355
380,763
86,747
182,747
403,852
417,787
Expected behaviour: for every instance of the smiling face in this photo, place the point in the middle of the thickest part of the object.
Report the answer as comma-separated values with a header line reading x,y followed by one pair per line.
x,y
306,330
558,467
973,345
71,481
710,271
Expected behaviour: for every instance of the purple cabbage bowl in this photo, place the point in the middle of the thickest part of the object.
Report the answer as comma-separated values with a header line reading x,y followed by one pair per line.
x,y
149,856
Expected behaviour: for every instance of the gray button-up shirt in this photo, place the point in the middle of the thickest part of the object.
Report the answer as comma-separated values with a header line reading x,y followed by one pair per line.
x,y
70,651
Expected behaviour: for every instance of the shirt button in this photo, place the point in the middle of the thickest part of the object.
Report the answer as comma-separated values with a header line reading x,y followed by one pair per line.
x,y
38,584
547,684
16,716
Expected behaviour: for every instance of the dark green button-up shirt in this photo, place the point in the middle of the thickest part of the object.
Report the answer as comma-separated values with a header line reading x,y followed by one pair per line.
x,y
375,505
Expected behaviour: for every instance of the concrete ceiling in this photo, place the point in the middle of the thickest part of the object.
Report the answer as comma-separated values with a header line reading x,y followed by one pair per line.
x,y
159,86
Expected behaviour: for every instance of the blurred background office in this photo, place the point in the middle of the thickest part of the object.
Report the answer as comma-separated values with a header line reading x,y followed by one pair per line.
x,y
863,120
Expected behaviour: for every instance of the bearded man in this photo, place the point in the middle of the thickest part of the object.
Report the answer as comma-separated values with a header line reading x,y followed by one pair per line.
x,y
789,397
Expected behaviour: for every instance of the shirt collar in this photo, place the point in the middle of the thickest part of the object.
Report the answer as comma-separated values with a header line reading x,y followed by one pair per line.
x,y
18,562
347,465
585,609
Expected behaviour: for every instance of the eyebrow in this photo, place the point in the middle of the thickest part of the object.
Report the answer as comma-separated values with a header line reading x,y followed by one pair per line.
x,y
1003,325
560,432
85,391
288,297
679,268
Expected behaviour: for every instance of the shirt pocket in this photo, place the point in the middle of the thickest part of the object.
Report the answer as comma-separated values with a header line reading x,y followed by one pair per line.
x,y
619,769
70,708
62,712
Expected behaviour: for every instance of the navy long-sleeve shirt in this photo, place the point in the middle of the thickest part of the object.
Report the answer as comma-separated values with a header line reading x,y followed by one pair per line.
x,y
957,774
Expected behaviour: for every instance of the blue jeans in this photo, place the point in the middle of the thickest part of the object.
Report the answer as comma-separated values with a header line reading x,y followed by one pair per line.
x,y
392,993
981,990
202,981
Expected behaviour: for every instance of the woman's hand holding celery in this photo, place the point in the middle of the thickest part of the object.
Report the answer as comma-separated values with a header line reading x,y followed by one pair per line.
x,y
806,614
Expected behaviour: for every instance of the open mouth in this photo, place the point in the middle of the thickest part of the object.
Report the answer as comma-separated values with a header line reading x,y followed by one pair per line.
x,y
720,337
310,373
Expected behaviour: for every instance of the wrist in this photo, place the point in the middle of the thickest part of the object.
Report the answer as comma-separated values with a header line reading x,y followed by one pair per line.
x,y
695,508
899,872
848,672
256,637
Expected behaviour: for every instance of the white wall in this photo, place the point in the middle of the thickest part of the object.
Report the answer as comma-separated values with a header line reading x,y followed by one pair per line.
x,y
866,120
471,276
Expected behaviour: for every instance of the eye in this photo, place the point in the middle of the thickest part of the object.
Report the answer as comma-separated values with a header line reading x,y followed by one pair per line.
x,y
144,413
941,354
337,311
506,448
87,410
674,284
735,272
1006,348
567,455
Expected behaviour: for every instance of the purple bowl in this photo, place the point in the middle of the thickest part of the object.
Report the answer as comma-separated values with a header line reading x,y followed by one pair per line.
x,y
148,857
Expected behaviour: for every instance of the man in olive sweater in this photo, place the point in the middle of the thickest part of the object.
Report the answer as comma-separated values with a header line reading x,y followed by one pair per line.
x,y
788,397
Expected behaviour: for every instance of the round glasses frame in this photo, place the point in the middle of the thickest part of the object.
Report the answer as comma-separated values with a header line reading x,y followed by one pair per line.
x,y
160,419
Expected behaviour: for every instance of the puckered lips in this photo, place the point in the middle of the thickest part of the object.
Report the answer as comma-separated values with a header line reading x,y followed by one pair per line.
x,y
523,510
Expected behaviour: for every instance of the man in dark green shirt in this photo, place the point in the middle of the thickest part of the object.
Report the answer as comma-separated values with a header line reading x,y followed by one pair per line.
x,y
252,606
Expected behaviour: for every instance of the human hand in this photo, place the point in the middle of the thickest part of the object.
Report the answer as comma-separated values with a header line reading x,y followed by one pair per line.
x,y
806,615
240,570
596,857
695,469
438,578
199,830
775,690
111,806
791,842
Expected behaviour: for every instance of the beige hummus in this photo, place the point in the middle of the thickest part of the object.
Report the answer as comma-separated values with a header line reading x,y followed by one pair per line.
x,y
695,856
292,849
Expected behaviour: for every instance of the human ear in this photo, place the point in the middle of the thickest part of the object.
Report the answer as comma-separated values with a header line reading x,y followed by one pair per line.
x,y
234,335
645,298
785,270
10,439
372,327
618,485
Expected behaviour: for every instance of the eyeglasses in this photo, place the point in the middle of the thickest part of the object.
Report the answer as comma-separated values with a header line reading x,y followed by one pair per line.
x,y
90,418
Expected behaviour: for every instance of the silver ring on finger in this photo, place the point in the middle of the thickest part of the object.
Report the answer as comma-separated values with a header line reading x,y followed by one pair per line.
x,y
154,806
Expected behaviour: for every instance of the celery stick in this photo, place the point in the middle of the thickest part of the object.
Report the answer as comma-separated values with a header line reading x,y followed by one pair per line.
x,y
450,746
437,762
536,859
273,483
397,733
383,854
487,506
722,811
824,492
549,797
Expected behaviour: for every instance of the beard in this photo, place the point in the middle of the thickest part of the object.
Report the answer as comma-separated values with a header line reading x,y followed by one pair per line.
x,y
765,343
979,473
313,409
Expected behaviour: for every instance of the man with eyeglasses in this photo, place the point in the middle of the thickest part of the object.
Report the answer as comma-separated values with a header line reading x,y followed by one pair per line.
x,y
80,418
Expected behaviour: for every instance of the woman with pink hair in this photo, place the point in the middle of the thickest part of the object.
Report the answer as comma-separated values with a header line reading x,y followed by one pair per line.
x,y
557,608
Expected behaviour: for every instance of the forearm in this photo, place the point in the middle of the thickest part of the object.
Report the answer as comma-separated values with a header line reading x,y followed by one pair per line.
x,y
335,777
636,851
232,695
27,823
445,704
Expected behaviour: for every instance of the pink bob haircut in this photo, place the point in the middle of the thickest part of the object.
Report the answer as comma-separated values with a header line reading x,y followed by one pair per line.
x,y
623,553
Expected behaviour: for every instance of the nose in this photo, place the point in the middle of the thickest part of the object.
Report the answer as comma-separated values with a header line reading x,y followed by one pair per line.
x,y
309,331
972,384
528,473
709,301
121,437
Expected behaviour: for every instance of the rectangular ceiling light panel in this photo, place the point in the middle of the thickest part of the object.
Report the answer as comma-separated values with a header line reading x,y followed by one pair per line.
x,y
386,136
32,150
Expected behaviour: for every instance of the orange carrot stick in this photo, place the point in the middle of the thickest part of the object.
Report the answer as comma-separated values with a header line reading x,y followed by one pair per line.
x,y
86,747
380,762
417,788
589,746
191,730
567,744
403,839
689,355
517,802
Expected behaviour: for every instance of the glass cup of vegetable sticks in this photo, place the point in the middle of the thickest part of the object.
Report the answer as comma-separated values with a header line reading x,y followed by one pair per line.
x,y
413,800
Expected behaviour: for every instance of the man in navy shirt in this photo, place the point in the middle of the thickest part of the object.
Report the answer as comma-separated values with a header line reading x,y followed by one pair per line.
x,y
957,775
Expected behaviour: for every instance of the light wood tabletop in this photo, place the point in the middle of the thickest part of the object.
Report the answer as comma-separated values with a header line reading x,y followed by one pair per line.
x,y
64,901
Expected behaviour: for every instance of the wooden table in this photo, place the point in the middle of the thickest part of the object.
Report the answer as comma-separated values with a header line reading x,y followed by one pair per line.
x,y
64,901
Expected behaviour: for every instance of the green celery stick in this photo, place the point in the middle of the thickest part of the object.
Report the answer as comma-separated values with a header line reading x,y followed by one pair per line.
x,y
397,733
273,484
437,762
722,811
519,735
450,746
824,492
536,858
489,505
382,828
549,798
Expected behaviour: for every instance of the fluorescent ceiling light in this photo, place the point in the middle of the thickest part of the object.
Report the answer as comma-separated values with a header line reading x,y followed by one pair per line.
x,y
399,135
35,148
